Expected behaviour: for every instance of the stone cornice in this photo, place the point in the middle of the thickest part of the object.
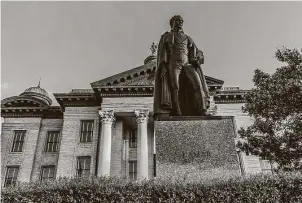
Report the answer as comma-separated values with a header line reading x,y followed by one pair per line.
x,y
133,91
125,91
51,112
22,101
233,96
16,114
78,99
229,101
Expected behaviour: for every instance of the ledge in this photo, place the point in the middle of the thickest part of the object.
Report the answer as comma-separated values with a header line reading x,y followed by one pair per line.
x,y
191,118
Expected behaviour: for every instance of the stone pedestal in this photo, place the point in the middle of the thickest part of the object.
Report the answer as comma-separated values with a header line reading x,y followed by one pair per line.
x,y
196,148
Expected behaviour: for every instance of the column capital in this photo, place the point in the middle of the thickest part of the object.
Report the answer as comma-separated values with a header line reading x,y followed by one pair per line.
x,y
142,116
107,116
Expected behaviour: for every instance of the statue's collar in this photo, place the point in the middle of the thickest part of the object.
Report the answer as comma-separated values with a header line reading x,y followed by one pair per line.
x,y
177,32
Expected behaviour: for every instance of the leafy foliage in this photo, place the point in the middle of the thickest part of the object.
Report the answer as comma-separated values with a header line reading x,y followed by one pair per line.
x,y
276,105
264,188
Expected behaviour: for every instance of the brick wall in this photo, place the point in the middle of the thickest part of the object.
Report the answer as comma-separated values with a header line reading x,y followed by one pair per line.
x,y
70,146
117,149
46,158
24,159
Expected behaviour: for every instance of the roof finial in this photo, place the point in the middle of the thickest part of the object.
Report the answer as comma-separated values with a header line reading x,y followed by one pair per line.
x,y
39,82
153,49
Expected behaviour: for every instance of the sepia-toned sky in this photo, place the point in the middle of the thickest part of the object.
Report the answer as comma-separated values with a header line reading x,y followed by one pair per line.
x,y
71,44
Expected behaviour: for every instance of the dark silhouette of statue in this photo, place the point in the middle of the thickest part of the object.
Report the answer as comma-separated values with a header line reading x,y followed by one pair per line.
x,y
180,85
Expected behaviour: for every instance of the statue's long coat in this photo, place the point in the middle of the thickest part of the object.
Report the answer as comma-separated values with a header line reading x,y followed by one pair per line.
x,y
162,95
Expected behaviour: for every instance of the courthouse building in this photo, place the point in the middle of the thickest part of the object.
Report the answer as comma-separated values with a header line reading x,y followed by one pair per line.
x,y
105,130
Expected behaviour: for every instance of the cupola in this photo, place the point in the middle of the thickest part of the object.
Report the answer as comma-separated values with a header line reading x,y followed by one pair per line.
x,y
38,93
152,56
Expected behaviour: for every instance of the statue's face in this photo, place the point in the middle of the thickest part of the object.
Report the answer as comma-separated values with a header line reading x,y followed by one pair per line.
x,y
178,23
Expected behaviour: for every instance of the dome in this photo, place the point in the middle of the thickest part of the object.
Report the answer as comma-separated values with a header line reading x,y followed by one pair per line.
x,y
149,59
38,93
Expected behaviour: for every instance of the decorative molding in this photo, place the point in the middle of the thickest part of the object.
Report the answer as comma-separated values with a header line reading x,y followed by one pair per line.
x,y
107,117
23,101
229,101
78,99
143,80
11,115
142,116
50,112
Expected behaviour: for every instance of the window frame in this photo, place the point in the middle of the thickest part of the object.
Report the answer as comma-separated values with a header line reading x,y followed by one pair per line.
x,y
85,169
15,178
47,167
133,134
82,140
18,141
132,173
53,142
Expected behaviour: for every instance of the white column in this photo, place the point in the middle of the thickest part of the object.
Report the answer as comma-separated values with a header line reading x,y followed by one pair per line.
x,y
104,158
142,132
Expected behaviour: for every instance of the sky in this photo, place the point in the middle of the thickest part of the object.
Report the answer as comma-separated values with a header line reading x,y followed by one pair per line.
x,y
71,44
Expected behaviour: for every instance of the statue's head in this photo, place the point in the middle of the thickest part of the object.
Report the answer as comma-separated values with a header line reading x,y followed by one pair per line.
x,y
176,21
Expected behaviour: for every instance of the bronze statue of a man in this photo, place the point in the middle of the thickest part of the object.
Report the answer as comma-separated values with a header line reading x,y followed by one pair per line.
x,y
180,85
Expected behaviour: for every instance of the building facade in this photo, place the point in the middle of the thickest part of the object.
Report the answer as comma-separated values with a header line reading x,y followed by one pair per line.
x,y
105,130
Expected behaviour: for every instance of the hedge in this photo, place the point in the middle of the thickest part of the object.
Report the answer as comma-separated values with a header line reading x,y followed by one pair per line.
x,y
260,188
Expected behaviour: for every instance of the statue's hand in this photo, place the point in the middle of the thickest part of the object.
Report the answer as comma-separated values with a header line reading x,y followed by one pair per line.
x,y
195,62
200,60
163,72
200,57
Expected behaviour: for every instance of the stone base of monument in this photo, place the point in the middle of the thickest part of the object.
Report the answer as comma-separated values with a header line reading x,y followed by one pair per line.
x,y
196,148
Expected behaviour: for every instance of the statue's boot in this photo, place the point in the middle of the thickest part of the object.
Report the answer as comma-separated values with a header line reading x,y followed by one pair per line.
x,y
175,104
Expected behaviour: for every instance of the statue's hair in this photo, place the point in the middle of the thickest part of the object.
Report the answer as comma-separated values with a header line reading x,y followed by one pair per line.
x,y
174,18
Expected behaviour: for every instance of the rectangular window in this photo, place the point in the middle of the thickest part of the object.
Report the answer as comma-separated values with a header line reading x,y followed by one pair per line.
x,y
132,170
133,138
18,141
52,141
83,166
86,131
48,173
11,175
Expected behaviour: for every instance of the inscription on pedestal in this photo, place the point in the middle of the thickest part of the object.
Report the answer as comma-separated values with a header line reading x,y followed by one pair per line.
x,y
196,149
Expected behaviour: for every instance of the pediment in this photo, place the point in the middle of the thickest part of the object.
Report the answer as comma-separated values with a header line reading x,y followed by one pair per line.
x,y
141,76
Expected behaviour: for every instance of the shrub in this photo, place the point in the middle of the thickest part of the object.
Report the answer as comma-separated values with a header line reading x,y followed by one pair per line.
x,y
260,188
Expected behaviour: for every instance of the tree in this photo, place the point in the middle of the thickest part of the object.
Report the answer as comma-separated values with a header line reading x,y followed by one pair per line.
x,y
275,103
